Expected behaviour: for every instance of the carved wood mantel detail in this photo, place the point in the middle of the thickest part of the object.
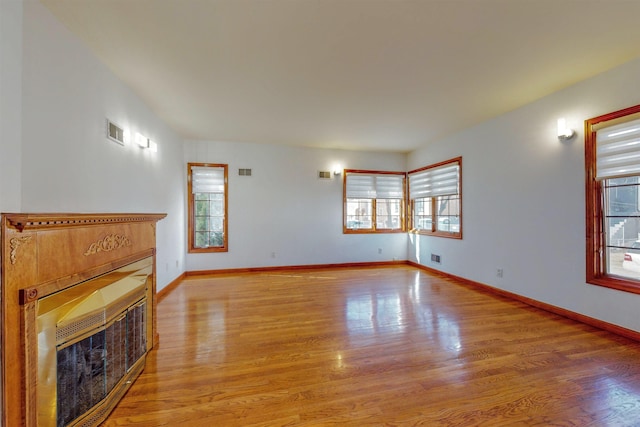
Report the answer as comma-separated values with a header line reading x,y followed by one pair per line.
x,y
109,243
14,244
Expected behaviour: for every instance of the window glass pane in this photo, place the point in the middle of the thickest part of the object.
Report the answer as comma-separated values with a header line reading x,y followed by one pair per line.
x,y
422,213
202,223
449,224
216,238
202,205
448,205
622,227
388,214
623,194
209,220
624,262
201,239
216,223
359,214
448,213
216,207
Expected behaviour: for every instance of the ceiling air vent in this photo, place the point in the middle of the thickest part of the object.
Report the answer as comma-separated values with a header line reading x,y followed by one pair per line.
x,y
244,172
324,175
115,132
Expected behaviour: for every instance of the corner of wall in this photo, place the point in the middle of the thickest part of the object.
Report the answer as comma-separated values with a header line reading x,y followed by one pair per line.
x,y
11,16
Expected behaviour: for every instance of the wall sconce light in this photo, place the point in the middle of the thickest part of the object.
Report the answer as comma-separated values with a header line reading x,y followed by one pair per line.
x,y
142,141
126,136
564,133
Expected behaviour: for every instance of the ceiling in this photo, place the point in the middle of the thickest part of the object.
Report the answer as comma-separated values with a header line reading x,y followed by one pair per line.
x,y
387,75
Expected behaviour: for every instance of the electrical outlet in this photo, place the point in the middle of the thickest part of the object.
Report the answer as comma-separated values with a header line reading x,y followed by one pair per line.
x,y
499,273
436,258
379,250
273,254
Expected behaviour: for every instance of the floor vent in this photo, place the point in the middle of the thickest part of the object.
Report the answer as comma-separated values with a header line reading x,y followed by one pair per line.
x,y
115,132
324,175
244,172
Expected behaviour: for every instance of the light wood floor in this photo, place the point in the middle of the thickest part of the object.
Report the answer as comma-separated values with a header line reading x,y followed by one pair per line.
x,y
391,346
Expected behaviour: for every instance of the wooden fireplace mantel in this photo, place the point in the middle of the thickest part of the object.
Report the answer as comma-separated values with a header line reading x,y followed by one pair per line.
x,y
29,221
46,253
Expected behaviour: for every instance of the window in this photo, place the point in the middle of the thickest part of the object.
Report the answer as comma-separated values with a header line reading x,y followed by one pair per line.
x,y
207,188
373,202
435,199
612,163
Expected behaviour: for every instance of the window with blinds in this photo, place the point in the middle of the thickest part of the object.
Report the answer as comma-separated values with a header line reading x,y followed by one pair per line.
x,y
374,201
618,149
435,199
612,155
207,207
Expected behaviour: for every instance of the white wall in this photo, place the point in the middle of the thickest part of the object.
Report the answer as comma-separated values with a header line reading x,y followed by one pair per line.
x,y
10,103
524,201
68,164
523,190
283,215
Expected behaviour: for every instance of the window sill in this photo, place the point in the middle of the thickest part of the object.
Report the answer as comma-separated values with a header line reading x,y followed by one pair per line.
x,y
369,231
616,283
437,234
208,250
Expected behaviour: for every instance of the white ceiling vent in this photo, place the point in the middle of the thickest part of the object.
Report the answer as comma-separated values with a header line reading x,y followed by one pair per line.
x,y
115,132
324,174
244,172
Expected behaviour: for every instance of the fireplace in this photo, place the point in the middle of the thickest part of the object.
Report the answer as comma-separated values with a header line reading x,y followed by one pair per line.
x,y
90,338
78,314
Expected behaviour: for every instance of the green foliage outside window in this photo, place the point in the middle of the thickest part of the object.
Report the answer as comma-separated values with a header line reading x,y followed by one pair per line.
x,y
209,220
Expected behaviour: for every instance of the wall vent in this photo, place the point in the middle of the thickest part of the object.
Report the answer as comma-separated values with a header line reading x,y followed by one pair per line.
x,y
244,172
115,132
324,175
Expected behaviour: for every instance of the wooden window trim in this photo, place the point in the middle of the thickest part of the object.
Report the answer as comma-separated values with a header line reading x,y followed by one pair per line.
x,y
596,273
374,229
434,231
191,209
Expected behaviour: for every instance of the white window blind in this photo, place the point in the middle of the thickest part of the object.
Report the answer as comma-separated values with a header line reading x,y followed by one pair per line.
x,y
374,186
618,150
207,179
439,181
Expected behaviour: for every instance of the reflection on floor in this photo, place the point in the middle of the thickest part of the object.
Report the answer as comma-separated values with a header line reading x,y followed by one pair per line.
x,y
390,346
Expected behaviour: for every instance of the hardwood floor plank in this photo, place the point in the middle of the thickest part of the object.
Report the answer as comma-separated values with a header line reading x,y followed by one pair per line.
x,y
386,346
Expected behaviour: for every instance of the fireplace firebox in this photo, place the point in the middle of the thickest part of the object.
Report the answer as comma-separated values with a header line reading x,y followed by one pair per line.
x,y
78,300
90,337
